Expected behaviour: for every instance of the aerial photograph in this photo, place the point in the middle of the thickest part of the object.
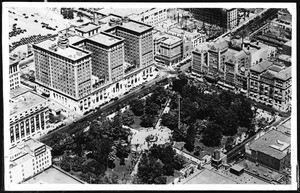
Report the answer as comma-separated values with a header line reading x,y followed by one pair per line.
x,y
159,95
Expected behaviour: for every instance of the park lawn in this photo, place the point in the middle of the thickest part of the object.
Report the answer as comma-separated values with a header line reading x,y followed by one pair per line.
x,y
137,122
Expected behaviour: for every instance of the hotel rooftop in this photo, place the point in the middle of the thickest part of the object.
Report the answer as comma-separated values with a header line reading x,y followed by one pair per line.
x,y
70,52
25,101
105,39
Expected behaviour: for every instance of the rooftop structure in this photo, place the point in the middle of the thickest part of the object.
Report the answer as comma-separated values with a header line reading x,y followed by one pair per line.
x,y
273,143
170,40
26,101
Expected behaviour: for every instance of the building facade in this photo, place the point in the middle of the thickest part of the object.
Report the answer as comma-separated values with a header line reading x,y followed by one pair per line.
x,y
29,116
270,83
14,74
28,159
225,18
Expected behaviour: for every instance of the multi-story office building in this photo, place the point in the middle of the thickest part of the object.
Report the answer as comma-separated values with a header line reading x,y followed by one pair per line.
x,y
168,49
29,115
63,71
272,150
28,159
270,83
107,56
225,18
14,74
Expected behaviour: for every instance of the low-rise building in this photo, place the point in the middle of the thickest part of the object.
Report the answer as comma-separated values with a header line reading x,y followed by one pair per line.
x,y
87,29
168,49
272,150
27,159
29,115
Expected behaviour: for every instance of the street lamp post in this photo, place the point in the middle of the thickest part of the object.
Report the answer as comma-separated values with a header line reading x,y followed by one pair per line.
x,y
179,111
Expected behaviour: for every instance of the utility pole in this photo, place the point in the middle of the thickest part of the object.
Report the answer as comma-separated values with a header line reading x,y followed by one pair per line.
x,y
179,111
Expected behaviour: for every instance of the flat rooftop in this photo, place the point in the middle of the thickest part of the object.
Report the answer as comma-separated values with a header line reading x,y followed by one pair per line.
x,y
18,91
209,177
274,143
104,39
53,175
69,52
260,67
136,26
284,74
25,101
285,127
170,40
87,27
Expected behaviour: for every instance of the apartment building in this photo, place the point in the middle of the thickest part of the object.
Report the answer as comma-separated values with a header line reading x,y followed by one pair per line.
x,y
29,115
270,83
225,18
271,150
14,74
62,71
28,159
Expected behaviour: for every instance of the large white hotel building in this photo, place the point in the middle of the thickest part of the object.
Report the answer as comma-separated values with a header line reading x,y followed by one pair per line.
x,y
91,64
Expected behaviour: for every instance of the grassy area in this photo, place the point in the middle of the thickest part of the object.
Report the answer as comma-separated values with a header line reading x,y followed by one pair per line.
x,y
137,122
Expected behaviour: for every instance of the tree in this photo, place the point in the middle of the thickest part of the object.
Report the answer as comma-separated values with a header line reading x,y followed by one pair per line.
x,y
60,142
147,120
77,163
128,117
159,95
151,108
65,163
137,106
149,169
102,150
179,83
190,138
229,143
170,120
212,135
